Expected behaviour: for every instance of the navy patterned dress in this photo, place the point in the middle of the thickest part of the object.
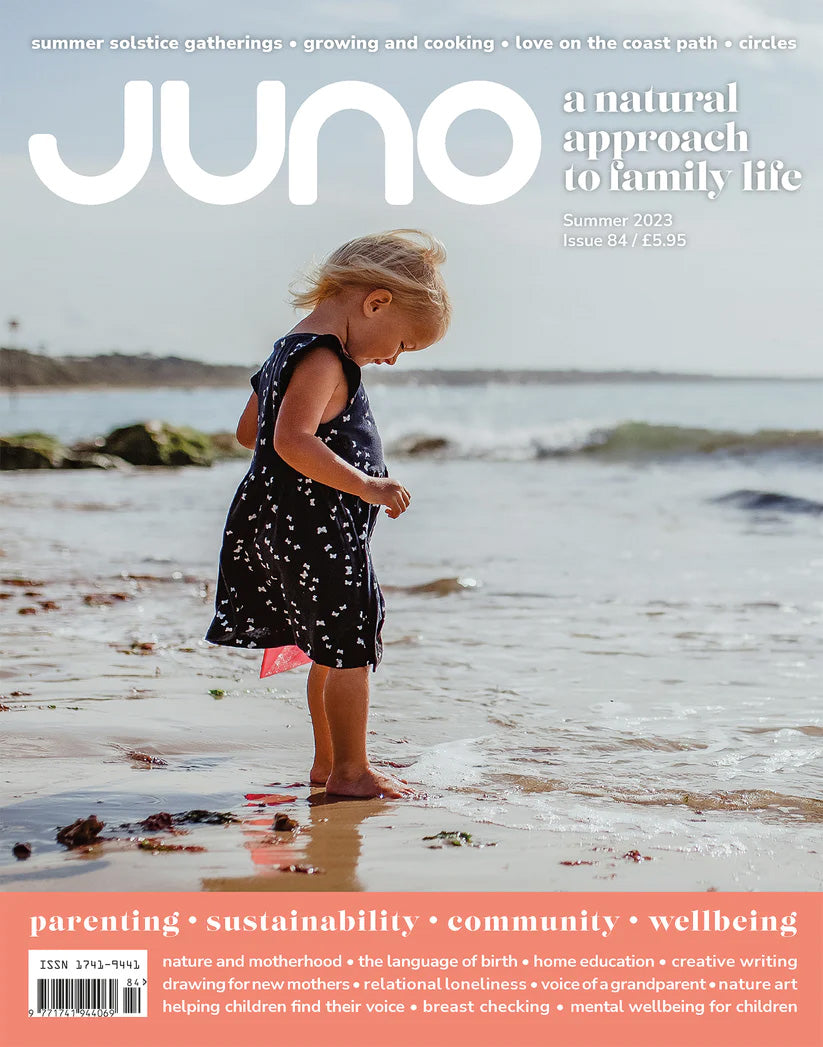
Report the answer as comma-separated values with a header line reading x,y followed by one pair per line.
x,y
295,565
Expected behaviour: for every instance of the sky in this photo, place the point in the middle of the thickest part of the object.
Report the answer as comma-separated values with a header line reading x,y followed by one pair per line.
x,y
160,272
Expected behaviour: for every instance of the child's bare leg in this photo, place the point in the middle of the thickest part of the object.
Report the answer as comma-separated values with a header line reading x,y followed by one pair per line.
x,y
347,710
321,768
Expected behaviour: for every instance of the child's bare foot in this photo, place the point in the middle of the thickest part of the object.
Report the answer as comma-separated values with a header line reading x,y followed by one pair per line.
x,y
368,784
319,773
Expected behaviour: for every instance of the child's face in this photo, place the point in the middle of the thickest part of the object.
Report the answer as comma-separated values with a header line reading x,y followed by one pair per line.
x,y
381,330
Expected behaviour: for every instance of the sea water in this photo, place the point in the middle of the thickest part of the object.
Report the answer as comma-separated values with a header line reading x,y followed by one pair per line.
x,y
629,635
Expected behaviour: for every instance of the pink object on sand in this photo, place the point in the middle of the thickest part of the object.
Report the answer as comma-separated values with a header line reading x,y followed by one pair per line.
x,y
268,799
279,659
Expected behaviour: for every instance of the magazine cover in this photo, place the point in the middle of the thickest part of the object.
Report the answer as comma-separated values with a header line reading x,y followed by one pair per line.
x,y
410,560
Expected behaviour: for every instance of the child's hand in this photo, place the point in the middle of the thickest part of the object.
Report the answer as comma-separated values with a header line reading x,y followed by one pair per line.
x,y
382,490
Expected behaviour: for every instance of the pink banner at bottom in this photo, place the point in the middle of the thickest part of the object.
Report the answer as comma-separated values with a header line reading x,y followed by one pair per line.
x,y
352,968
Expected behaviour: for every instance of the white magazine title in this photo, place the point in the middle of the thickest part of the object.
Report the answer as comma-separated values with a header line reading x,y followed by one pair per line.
x,y
297,145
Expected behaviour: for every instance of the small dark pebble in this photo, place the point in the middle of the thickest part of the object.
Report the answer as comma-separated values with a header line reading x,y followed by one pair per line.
x,y
282,823
155,761
20,694
578,862
21,851
81,832
636,856
27,610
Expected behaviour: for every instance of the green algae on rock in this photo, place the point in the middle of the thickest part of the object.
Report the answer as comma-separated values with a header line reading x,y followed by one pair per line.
x,y
158,443
31,451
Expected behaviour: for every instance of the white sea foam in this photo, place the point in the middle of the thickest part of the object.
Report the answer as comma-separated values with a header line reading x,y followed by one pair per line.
x,y
456,763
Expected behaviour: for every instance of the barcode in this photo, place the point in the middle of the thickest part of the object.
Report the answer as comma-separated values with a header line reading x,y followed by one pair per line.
x,y
131,1000
113,983
78,994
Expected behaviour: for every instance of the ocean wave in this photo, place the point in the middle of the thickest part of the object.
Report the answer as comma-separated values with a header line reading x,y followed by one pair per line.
x,y
628,441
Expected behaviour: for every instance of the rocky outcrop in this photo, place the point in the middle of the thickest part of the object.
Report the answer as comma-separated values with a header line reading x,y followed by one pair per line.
x,y
420,444
31,451
144,444
158,443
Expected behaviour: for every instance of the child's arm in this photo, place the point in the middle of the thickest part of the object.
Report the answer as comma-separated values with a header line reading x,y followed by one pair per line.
x,y
315,379
247,426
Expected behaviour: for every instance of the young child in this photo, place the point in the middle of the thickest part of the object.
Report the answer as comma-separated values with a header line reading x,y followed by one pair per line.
x,y
295,565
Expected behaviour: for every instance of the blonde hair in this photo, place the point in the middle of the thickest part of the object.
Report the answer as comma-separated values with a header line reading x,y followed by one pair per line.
x,y
404,261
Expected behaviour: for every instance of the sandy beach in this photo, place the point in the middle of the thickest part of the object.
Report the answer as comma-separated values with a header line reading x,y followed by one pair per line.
x,y
73,762
618,700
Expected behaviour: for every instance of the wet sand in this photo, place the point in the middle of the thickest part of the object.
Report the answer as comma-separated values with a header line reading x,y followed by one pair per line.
x,y
65,761
640,744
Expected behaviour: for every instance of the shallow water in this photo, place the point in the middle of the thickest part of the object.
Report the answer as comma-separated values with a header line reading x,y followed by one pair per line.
x,y
625,663
481,418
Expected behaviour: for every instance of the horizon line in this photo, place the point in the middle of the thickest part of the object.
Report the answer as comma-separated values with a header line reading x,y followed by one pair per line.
x,y
556,370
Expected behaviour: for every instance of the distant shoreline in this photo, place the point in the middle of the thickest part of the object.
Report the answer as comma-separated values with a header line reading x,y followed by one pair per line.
x,y
24,371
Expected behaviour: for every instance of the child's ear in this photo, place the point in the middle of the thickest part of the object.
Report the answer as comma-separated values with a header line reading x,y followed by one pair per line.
x,y
377,300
